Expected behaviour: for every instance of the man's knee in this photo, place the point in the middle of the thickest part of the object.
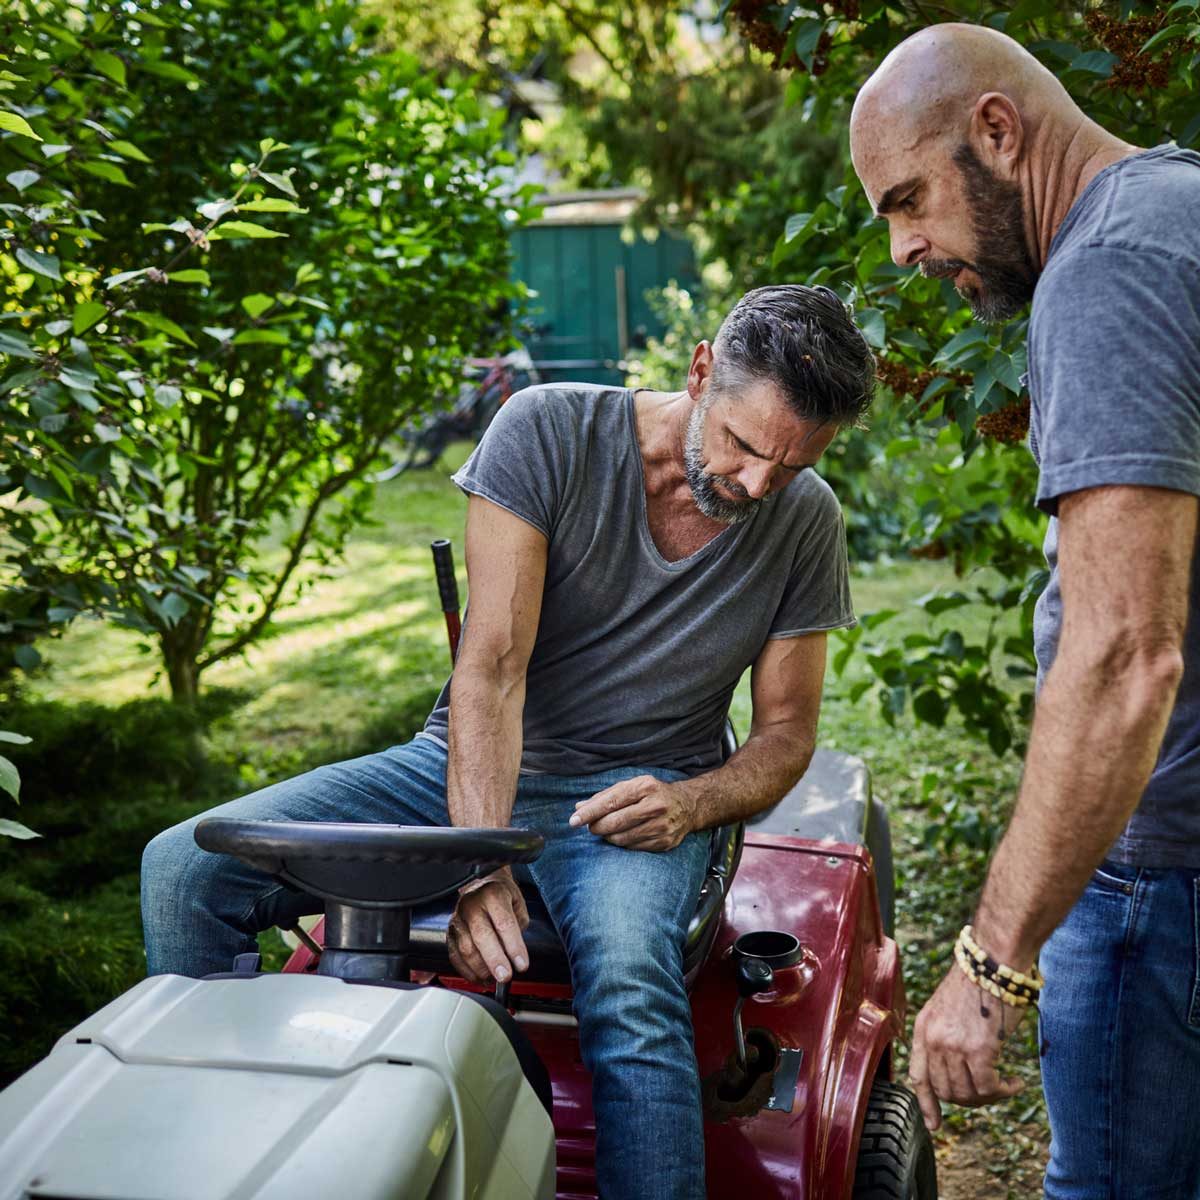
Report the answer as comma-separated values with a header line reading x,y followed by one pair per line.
x,y
175,870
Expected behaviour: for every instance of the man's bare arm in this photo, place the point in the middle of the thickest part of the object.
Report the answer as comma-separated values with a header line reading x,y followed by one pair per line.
x,y
1124,566
506,565
644,813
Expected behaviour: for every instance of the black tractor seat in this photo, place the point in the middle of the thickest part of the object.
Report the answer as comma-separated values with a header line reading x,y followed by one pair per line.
x,y
547,955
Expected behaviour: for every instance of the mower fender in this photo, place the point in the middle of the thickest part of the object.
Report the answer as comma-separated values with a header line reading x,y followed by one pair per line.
x,y
865,1058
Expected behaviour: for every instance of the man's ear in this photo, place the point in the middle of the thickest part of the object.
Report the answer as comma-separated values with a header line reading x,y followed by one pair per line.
x,y
700,372
996,132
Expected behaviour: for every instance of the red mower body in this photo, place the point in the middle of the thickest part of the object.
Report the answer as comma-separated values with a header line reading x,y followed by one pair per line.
x,y
840,1006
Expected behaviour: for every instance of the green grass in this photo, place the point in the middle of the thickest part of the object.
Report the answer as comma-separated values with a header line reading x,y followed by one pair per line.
x,y
352,667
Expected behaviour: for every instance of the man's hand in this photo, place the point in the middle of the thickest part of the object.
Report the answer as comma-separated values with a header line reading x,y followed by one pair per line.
x,y
484,934
956,1049
640,814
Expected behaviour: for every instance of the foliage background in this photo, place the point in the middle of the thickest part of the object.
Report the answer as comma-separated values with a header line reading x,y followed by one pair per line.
x,y
732,120
220,303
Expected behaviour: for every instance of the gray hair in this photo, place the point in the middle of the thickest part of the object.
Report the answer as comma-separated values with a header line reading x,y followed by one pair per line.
x,y
804,340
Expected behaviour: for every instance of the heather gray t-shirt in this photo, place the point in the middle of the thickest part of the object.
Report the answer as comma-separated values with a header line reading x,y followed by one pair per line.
x,y
636,658
1114,375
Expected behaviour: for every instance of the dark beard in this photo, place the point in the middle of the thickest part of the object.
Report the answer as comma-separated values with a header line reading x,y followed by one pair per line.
x,y
1002,262
708,500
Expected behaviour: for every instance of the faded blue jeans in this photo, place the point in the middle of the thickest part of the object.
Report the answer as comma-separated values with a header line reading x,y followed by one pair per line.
x,y
1120,1034
622,915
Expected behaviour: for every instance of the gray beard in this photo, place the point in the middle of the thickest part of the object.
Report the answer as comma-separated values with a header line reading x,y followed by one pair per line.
x,y
708,500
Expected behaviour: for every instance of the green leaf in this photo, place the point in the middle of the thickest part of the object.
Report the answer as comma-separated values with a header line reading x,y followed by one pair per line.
x,y
282,182
26,657
270,204
52,150
109,64
1169,34
16,345
871,322
262,336
168,70
106,170
804,37
166,395
163,325
937,603
257,304
229,230
127,150
970,338
931,707
10,780
86,315
797,224
1095,62
42,264
23,179
173,607
124,277
106,433
191,275
14,739
14,124
14,829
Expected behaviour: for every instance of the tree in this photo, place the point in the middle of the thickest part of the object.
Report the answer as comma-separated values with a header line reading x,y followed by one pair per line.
x,y
224,298
1132,67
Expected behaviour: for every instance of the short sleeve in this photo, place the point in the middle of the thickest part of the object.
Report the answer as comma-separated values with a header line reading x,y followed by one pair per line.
x,y
519,464
1114,372
817,596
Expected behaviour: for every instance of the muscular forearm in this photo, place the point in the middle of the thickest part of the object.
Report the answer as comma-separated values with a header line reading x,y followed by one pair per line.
x,y
1093,746
757,776
485,746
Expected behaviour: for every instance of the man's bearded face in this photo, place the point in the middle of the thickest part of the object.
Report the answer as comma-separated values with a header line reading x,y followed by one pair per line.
x,y
704,483
1002,263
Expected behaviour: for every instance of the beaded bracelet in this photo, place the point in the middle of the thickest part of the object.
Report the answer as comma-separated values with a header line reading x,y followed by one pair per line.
x,y
1011,987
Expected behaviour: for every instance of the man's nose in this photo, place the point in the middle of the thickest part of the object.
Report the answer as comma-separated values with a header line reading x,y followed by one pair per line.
x,y
908,248
756,479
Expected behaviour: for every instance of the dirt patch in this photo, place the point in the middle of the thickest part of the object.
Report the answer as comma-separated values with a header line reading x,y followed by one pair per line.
x,y
976,1163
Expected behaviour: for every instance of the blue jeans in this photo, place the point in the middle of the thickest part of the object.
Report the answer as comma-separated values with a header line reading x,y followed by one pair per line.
x,y
199,910
1120,1035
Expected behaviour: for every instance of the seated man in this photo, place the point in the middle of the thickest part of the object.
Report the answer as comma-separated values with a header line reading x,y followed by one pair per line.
x,y
630,554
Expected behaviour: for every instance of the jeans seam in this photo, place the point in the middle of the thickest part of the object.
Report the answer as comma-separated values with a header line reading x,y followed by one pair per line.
x,y
1194,1012
1135,906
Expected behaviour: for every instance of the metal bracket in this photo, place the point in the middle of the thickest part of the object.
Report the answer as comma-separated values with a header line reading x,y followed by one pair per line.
x,y
787,1073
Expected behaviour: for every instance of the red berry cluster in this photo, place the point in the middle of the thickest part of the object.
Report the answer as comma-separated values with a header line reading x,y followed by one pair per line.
x,y
902,380
1008,425
1135,71
754,23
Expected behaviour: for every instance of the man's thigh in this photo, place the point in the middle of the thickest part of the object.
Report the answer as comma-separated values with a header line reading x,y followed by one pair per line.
x,y
200,909
614,908
1120,1032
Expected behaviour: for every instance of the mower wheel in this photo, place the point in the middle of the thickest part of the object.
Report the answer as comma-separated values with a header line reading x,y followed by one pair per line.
x,y
895,1156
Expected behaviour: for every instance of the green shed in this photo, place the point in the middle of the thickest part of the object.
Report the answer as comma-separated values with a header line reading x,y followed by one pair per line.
x,y
590,311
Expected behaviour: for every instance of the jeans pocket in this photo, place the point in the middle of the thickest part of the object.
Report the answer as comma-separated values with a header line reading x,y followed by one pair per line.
x,y
1194,1011
1108,877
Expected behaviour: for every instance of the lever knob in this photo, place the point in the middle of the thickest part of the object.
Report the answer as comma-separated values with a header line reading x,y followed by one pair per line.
x,y
753,977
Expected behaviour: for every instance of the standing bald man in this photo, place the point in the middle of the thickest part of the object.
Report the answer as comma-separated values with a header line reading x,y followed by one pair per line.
x,y
989,174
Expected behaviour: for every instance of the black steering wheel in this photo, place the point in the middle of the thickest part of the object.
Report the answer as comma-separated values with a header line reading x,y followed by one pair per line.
x,y
356,864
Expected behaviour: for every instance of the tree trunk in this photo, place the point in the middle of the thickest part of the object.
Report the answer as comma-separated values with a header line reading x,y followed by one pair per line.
x,y
182,672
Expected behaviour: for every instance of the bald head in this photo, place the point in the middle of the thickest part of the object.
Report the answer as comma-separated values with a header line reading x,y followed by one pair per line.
x,y
973,152
929,86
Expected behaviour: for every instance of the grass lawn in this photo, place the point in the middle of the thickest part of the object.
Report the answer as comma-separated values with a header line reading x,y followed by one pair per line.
x,y
352,667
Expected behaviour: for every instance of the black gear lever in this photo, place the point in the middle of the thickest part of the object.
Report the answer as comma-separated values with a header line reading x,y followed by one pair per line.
x,y
753,977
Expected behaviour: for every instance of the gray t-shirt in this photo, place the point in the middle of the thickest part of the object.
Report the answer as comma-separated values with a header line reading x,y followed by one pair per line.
x,y
636,658
1114,374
